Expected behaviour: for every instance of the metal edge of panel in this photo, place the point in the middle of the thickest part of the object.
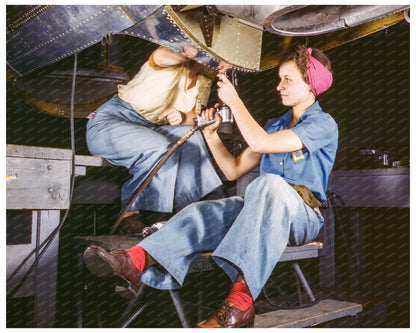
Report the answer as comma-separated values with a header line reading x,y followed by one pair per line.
x,y
139,12
154,29
210,52
159,29
50,190
19,63
334,39
337,38
317,20
62,110
38,152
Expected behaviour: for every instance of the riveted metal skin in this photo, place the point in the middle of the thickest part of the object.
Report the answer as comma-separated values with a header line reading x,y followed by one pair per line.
x,y
244,38
47,34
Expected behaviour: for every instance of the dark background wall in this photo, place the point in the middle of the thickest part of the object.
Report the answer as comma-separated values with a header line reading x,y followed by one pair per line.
x,y
369,98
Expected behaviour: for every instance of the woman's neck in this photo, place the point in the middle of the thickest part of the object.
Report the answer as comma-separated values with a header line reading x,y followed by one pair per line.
x,y
300,109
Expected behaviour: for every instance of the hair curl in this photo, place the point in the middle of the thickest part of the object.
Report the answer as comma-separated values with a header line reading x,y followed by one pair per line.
x,y
301,58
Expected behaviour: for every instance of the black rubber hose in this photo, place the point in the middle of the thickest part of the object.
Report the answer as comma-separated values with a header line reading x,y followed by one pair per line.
x,y
150,176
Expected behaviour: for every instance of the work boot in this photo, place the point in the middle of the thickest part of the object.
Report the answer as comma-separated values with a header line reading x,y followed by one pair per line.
x,y
118,262
229,316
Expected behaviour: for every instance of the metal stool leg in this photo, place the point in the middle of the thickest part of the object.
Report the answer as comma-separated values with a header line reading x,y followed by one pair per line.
x,y
80,296
303,281
200,302
131,313
174,294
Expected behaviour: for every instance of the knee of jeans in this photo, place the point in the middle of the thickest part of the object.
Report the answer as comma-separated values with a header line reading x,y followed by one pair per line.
x,y
268,182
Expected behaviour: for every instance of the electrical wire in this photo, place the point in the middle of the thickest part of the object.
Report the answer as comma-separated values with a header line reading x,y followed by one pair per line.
x,y
343,233
48,241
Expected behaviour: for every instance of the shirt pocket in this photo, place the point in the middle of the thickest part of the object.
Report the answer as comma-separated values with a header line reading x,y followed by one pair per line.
x,y
296,167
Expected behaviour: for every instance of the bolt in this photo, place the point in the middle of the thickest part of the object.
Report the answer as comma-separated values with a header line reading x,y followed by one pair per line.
x,y
63,195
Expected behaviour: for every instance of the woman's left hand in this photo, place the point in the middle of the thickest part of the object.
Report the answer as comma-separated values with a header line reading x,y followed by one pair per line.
x,y
173,116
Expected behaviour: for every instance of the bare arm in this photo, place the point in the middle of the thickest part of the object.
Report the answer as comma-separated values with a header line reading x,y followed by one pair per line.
x,y
232,167
165,57
256,137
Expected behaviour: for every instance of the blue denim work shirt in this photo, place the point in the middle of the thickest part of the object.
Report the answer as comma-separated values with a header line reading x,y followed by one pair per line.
x,y
311,167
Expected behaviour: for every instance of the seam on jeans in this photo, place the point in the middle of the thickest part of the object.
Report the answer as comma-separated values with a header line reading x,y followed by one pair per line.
x,y
241,265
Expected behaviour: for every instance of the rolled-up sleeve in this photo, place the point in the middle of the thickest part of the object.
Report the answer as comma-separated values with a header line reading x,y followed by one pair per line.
x,y
316,131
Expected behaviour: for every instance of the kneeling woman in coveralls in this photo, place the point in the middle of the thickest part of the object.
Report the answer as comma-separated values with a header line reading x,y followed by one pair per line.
x,y
247,235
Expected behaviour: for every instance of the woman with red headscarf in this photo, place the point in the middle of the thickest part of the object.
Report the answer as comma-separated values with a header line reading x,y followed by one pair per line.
x,y
295,152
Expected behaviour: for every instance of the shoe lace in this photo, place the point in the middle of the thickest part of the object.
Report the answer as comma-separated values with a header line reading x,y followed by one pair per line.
x,y
222,312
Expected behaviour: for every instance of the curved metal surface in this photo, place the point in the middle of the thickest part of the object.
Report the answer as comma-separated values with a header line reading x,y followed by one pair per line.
x,y
256,14
46,34
51,92
238,46
329,40
244,37
299,20
317,20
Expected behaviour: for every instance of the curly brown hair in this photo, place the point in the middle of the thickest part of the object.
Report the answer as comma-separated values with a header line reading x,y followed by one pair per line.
x,y
301,57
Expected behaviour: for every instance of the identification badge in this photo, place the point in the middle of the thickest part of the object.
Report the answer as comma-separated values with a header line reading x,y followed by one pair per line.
x,y
298,155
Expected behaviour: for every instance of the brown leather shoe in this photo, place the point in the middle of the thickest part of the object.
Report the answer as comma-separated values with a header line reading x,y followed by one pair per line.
x,y
118,262
228,316
131,225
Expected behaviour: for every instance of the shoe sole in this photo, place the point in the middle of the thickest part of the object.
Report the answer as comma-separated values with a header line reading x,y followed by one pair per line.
x,y
250,324
129,291
247,325
101,267
96,263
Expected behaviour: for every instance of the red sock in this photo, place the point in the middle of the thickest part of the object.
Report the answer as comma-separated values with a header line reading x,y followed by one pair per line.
x,y
240,296
138,257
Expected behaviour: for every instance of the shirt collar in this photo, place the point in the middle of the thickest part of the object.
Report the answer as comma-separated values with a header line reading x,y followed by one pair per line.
x,y
314,108
284,121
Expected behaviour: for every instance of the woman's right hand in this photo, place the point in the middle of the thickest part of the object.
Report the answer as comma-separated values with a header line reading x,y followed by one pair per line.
x,y
226,91
210,114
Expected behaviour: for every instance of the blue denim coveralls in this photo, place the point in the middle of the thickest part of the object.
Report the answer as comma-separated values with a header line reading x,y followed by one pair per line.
x,y
250,234
119,134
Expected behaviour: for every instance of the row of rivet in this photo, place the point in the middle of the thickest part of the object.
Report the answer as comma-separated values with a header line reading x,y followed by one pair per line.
x,y
206,53
62,35
56,37
34,12
186,38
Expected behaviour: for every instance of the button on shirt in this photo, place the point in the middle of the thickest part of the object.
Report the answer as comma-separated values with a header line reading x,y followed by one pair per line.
x,y
311,167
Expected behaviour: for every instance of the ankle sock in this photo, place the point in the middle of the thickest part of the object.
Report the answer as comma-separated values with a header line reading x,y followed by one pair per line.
x,y
138,257
240,296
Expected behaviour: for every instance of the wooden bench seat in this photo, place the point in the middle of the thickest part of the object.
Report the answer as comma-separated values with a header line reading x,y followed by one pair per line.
x,y
204,261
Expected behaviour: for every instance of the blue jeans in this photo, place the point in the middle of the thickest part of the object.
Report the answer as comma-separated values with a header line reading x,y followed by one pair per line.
x,y
246,235
123,137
